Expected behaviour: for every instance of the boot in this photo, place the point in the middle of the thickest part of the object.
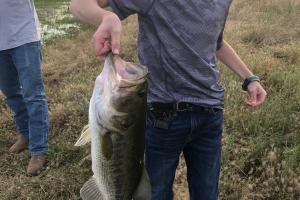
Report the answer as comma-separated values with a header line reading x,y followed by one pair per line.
x,y
36,165
20,145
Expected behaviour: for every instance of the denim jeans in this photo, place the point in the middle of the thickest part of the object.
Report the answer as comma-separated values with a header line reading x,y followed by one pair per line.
x,y
195,132
22,85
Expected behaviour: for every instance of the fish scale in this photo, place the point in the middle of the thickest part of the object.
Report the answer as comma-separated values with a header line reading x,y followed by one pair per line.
x,y
112,185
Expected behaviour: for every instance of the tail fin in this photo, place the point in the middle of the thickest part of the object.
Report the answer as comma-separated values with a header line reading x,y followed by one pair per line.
x,y
90,191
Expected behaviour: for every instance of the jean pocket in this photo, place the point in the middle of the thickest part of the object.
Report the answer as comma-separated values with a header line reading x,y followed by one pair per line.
x,y
159,119
215,111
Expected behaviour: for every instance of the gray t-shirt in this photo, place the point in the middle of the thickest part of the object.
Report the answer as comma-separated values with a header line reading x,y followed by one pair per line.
x,y
177,41
18,23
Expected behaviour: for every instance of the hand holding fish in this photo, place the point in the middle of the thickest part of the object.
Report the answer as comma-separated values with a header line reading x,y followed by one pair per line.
x,y
108,35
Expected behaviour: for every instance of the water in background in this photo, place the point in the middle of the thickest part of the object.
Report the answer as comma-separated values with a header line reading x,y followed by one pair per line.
x,y
55,19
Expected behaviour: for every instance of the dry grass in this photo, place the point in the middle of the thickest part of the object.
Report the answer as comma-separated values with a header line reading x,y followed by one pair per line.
x,y
261,147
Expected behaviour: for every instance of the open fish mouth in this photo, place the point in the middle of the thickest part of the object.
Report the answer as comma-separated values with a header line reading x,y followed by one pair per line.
x,y
128,74
127,83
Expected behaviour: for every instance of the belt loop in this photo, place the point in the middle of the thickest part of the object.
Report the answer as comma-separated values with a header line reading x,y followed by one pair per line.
x,y
183,104
177,106
150,106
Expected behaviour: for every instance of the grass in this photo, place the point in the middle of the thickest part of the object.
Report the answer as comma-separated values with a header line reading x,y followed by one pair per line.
x,y
261,147
56,20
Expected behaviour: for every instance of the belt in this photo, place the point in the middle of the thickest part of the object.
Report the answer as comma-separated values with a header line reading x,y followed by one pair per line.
x,y
178,106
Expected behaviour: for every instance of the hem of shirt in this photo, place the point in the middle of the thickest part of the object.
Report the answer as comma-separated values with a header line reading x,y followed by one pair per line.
x,y
18,44
218,106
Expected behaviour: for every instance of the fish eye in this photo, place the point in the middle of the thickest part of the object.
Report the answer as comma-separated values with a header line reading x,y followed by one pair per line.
x,y
141,93
125,125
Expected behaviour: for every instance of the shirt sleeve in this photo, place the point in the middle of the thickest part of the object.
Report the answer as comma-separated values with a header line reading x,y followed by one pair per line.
x,y
220,38
124,8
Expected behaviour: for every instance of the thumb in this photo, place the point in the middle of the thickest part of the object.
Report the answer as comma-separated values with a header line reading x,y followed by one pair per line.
x,y
115,42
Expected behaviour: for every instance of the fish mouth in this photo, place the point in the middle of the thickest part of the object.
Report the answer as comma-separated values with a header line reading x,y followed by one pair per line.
x,y
128,74
127,83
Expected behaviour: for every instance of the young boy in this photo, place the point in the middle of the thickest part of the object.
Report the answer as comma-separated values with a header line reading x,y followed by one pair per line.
x,y
179,42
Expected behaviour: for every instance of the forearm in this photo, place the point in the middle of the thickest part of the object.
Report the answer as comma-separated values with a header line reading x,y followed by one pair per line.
x,y
89,11
228,56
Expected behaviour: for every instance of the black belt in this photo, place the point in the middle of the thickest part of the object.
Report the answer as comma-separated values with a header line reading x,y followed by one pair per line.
x,y
178,106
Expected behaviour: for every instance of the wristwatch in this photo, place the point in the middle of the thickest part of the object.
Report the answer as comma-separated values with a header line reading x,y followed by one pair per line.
x,y
249,80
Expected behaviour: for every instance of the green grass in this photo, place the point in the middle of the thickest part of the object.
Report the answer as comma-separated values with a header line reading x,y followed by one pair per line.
x,y
261,146
56,20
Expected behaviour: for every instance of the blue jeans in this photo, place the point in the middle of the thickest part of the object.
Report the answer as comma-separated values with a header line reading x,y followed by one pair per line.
x,y
195,132
22,85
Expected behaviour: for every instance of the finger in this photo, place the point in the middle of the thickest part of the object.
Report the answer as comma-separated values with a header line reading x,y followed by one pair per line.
x,y
252,99
249,103
101,58
115,42
261,97
98,42
98,47
257,103
105,49
253,96
103,52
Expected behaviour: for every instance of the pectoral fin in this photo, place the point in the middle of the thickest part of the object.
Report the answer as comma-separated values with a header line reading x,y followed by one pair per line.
x,y
85,136
90,191
143,191
106,145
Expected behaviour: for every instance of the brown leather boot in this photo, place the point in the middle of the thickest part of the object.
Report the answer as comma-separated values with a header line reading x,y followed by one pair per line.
x,y
20,145
36,165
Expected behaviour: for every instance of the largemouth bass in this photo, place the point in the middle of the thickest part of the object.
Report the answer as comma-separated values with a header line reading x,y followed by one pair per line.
x,y
116,129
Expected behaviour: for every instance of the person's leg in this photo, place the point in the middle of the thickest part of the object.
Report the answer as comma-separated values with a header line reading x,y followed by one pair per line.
x,y
10,87
27,59
163,147
203,154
